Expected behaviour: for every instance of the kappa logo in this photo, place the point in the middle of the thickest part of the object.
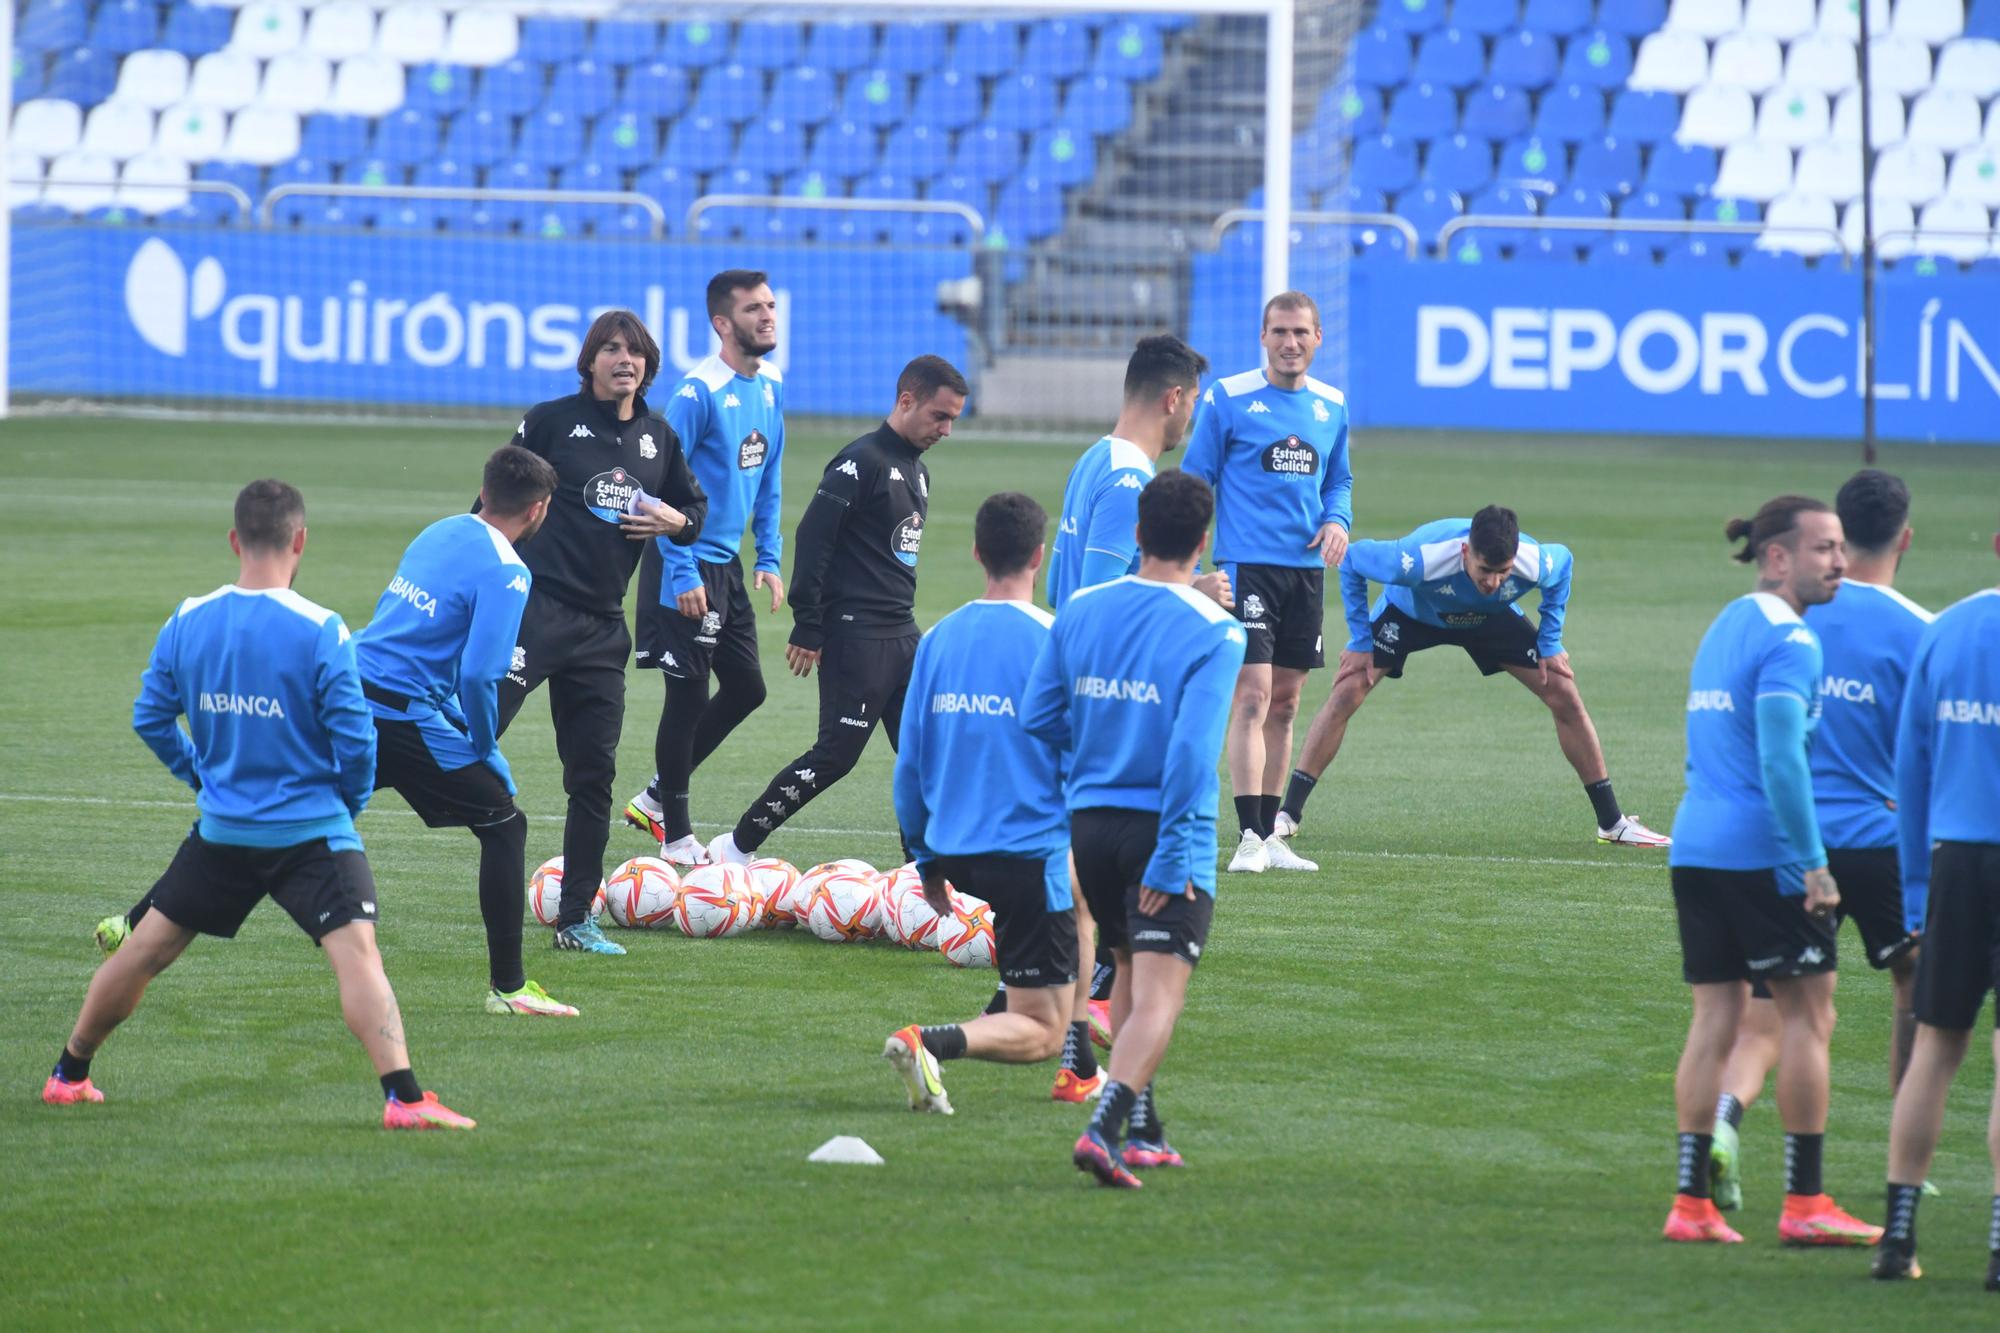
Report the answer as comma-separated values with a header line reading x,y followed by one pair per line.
x,y
1409,562
1209,397
1130,481
923,486
687,391
581,432
775,807
1801,635
1256,406
520,662
804,774
1320,414
762,823
895,474
647,449
770,399
667,659
520,584
1194,950
1253,607
731,400
522,429
1812,955
1447,590
791,793
847,466
368,908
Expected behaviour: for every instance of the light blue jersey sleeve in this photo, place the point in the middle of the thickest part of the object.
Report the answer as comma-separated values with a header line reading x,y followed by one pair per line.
x,y
1187,787
1557,562
1385,563
344,713
1111,543
688,415
1915,742
156,712
1787,680
907,786
764,522
488,653
1208,440
1336,489
1045,705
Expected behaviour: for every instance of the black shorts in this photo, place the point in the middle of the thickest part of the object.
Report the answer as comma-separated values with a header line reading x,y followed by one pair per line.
x,y
862,682
1111,848
1871,896
686,649
1736,926
1960,960
1494,641
1035,947
468,797
1283,611
211,887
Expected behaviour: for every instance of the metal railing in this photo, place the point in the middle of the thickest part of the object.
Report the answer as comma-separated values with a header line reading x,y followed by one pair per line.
x,y
792,201
463,194
1309,217
1990,236
117,188
1528,222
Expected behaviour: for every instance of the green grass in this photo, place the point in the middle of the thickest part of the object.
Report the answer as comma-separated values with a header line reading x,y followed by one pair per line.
x,y
1428,1087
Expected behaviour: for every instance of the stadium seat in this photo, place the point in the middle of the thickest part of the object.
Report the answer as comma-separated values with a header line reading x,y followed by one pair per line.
x,y
1829,170
1718,209
1633,18
1500,201
1029,209
1524,60
1428,209
1911,172
1955,228
582,88
1900,64
1496,112
367,85
1683,169
843,149
1022,102
266,27
334,138
440,89
803,95
1717,116
1130,51
1412,16
1384,163
1450,58
1644,117
122,27
339,29
191,131
697,144
153,79
404,138
1886,121
1817,228
1380,58
1709,19
53,25
1970,65
1532,163
917,151
553,40
875,99
1753,169
1842,18
1751,61
1821,62
673,190
117,130
481,37
1782,19
1670,62
950,100
83,76
1608,166
1557,18
624,43
80,180
26,76
227,80
1057,49
1459,163
263,135
1652,206
622,140
1485,18
479,138
769,44
1570,114
1422,111
913,48
46,127
1982,19
1944,119
1099,104
1601,60
1793,117
1062,154
1975,175
1933,22
513,88
988,48
730,93
1993,123
776,145
987,154
656,90
1316,160
1623,251
1895,228
840,46
412,34
298,81
551,139
1578,202
1348,107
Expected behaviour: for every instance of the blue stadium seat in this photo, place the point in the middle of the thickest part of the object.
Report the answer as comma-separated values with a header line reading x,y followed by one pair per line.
x,y
1729,210
776,145
961,188
1422,111
53,25
309,212
1496,111
987,154
917,151
1633,18
1488,18
878,227
439,89
1057,49
1100,104
1381,58
1062,154
404,137
698,144
695,44
373,170
840,46
445,173
28,75
1557,17
1622,249
1129,51
512,89
1683,169
1609,165
949,100
1500,201
1030,209
195,30
402,215
1450,58
1579,202
1982,19
1697,250
921,230
1023,102
301,170
1384,163
1651,205
988,48
770,44
731,93
912,48
1548,247
333,138
803,95
742,179
1428,209
620,44
1373,242
551,139
1316,158
1644,117
589,174
243,175
1350,107
1570,114
1524,60
656,90
1597,60
124,26
1532,159
479,138
582,88
1459,163
1356,199
876,99
199,210
83,76
673,189
843,149
552,41
1411,15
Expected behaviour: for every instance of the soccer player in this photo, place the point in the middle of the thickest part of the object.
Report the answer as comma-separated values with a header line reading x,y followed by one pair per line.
x,y
1455,582
980,803
280,751
1135,684
854,589
431,662
1273,443
1947,774
621,479
1868,637
1751,887
694,613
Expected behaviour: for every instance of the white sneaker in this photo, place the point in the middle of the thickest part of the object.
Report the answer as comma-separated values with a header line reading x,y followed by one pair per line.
x,y
919,1068
724,851
1279,856
1629,832
686,851
1251,856
1284,826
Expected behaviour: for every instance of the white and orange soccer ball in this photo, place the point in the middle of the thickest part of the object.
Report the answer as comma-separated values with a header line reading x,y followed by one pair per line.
x,y
640,894
842,906
545,893
776,879
715,902
906,917
966,936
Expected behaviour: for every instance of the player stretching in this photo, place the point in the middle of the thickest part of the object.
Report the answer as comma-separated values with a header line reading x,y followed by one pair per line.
x,y
1947,774
1751,888
980,802
854,590
1135,683
281,754
1456,582
730,415
1273,443
621,479
1867,636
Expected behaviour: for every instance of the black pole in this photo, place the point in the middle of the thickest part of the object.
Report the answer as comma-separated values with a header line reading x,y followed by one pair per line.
x,y
1867,249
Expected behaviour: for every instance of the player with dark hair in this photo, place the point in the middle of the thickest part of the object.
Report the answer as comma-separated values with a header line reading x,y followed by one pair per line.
x,y
1868,637
1273,443
1457,582
621,479
1135,684
980,803
1752,891
280,751
854,588
695,617
1947,774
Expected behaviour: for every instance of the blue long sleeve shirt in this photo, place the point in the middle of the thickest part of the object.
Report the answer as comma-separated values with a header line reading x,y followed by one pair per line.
x,y
1277,459
1948,745
279,745
1134,684
732,428
1868,637
1097,538
1424,576
443,635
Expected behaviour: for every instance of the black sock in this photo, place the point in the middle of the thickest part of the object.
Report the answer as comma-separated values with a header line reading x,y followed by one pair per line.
x,y
503,856
1802,1161
1078,1057
1993,1235
1250,814
1297,790
1114,1108
1729,1109
1103,975
71,1068
673,751
1602,801
946,1041
1694,1165
402,1085
1267,815
998,1004
1899,1217
1146,1119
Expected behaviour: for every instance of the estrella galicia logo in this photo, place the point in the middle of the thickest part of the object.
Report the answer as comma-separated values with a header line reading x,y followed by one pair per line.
x,y
908,538
609,495
1292,457
752,452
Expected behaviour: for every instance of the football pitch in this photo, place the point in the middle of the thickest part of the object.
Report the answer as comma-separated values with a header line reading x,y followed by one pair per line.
x,y
1430,1086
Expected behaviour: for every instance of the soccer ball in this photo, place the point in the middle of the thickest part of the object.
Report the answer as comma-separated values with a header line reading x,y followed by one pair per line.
x,y
545,893
778,879
714,902
640,894
841,907
966,937
910,921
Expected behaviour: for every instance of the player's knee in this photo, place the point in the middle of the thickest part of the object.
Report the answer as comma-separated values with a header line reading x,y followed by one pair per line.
x,y
1282,708
507,835
833,763
747,691
1252,702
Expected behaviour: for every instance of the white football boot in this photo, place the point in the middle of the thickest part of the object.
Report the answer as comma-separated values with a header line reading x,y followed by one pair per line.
x,y
1284,826
919,1069
1629,832
724,851
1252,858
1279,855
686,851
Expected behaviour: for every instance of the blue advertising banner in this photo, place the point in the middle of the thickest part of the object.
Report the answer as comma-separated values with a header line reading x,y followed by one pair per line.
x,y
250,315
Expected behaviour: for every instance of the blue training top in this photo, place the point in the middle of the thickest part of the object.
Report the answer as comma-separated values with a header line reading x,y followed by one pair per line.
x,y
1097,539
732,429
1868,637
1277,459
1948,746
1424,577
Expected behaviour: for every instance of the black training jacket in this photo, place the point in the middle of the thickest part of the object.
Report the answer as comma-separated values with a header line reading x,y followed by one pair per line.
x,y
854,560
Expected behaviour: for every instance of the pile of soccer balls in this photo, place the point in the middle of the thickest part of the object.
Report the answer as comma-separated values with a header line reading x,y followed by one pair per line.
x,y
839,901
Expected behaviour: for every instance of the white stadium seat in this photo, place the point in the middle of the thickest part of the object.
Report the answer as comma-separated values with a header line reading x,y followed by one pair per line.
x,y
46,126
263,136
153,79
1842,18
192,131
1801,211
226,79
1782,19
1746,60
1716,116
297,81
482,37
1900,64
1670,62
1912,172
1705,18
81,180
266,27
1945,119
1822,62
1932,21
1970,65
369,85
118,130
1958,228
1754,169
153,183
1793,117
413,34
1829,170
1975,175
340,29
24,178
1992,124
1894,220
1885,122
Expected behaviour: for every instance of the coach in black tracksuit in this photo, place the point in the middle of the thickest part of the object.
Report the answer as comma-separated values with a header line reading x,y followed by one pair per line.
x,y
853,593
606,446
